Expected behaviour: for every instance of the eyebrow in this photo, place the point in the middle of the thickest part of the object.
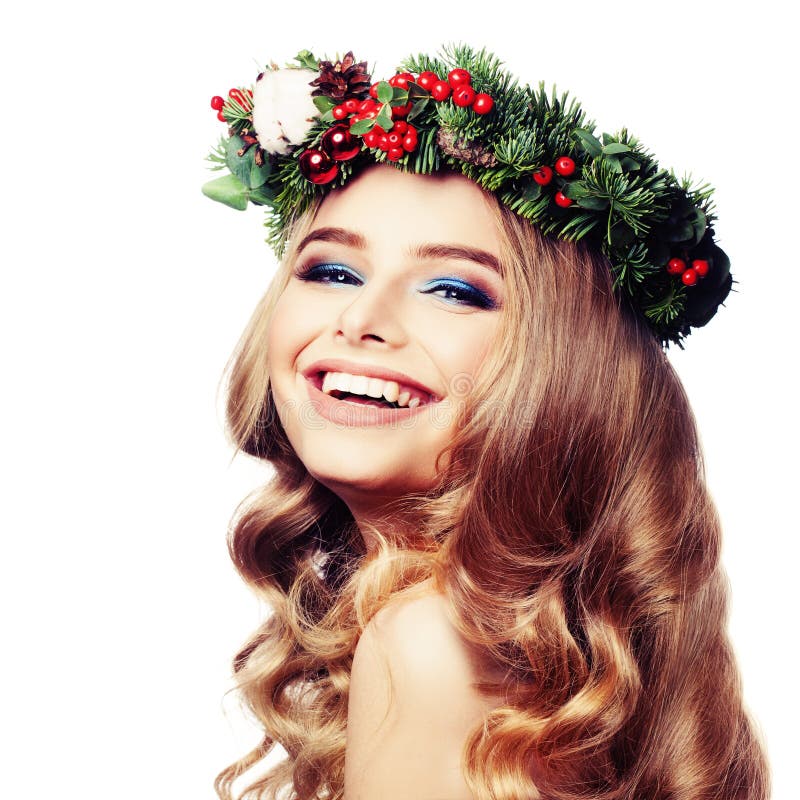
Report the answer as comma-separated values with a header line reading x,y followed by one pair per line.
x,y
422,251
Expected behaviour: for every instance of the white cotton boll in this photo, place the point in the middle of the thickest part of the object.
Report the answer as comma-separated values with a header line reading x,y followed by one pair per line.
x,y
283,110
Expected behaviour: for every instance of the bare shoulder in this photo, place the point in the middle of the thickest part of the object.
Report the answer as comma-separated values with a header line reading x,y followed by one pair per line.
x,y
412,703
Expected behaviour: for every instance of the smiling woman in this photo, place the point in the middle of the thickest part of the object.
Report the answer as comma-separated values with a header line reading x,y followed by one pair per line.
x,y
488,546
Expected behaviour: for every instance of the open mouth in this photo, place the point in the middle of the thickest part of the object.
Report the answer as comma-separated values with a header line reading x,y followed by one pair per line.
x,y
406,400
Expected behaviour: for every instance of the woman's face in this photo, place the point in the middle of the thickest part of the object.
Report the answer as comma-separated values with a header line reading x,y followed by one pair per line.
x,y
398,273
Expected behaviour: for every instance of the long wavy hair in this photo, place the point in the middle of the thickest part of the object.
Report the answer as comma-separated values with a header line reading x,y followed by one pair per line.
x,y
571,532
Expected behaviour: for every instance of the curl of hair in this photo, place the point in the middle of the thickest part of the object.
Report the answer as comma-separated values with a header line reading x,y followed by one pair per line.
x,y
577,470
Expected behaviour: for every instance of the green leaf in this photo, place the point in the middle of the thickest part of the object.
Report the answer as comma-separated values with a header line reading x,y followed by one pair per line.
x,y
307,59
593,203
362,126
575,189
323,103
327,116
416,92
385,92
613,148
533,191
384,118
417,109
244,167
228,190
591,144
699,225
263,196
630,164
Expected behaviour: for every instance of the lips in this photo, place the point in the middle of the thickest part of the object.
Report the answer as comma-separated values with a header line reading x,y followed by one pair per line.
x,y
314,373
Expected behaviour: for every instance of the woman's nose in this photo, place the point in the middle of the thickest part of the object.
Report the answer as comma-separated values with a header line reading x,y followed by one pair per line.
x,y
374,312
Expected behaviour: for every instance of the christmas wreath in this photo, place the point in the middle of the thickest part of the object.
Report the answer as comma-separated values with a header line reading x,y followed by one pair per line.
x,y
305,129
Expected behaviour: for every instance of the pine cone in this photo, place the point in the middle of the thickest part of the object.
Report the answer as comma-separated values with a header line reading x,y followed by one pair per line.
x,y
343,80
464,150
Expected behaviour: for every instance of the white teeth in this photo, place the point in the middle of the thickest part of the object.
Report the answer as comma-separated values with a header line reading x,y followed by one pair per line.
x,y
369,387
375,387
402,400
358,384
413,403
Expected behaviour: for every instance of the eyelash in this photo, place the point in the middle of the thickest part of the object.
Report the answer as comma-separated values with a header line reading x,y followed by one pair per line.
x,y
470,295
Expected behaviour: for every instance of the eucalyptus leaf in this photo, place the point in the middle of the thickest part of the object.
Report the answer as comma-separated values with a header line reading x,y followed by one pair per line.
x,y
263,196
323,103
613,148
244,167
590,143
417,109
385,92
228,190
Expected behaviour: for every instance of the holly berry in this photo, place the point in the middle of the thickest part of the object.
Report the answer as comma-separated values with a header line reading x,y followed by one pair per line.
x,y
371,138
383,143
676,266
690,276
217,102
562,200
482,104
700,266
317,166
367,105
351,105
463,95
401,79
543,175
400,127
458,77
410,142
339,112
565,166
340,144
441,90
373,90
221,117
427,79
401,111
395,153
239,98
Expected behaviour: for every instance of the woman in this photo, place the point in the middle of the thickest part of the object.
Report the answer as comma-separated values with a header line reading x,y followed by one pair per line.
x,y
501,579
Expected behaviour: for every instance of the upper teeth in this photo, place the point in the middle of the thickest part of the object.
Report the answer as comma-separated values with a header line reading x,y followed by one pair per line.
x,y
371,387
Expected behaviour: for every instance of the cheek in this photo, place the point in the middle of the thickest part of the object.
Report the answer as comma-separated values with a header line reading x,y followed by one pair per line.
x,y
462,350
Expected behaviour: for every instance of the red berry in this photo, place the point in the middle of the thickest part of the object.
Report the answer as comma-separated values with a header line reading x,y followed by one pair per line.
x,y
441,90
355,118
458,77
700,266
394,139
380,131
565,166
401,111
217,102
410,142
401,79
339,112
543,175
400,127
562,200
383,142
367,105
689,277
373,90
395,153
427,79
221,117
463,95
676,266
371,138
482,104
351,105
239,98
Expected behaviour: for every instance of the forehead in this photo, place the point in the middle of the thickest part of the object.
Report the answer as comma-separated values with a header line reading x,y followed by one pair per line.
x,y
388,205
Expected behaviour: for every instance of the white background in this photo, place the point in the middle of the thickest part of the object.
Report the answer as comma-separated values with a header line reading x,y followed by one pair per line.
x,y
124,291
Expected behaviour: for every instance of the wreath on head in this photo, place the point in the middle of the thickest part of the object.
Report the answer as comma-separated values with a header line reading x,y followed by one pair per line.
x,y
305,129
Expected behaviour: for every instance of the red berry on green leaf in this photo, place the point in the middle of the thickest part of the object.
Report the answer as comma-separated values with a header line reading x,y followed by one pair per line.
x,y
427,79
562,200
689,277
565,166
217,102
441,90
463,96
458,77
676,266
700,266
482,104
543,175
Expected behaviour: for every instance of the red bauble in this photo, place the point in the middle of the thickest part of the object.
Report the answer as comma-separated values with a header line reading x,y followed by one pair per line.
x,y
689,277
317,166
217,102
543,175
482,104
700,266
351,105
339,112
562,200
395,153
463,95
565,166
427,79
221,117
340,144
458,77
676,266
441,90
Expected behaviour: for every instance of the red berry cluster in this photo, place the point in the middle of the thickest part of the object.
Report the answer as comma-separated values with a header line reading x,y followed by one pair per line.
x,y
400,139
564,166
459,84
241,98
689,275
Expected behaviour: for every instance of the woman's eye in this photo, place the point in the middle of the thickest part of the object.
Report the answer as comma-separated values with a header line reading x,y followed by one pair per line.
x,y
326,273
463,294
